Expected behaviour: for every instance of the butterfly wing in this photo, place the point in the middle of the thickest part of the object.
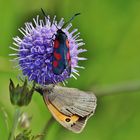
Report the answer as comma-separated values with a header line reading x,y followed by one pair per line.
x,y
70,107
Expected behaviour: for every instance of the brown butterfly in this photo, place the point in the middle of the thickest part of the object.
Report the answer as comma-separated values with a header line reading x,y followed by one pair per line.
x,y
69,106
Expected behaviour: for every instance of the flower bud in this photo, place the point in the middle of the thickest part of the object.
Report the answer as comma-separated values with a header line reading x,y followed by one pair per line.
x,y
20,95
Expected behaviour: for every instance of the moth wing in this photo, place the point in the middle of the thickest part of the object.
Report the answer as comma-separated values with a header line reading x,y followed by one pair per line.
x,y
62,62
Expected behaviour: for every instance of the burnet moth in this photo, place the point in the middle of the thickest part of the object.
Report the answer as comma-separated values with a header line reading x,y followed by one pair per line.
x,y
61,51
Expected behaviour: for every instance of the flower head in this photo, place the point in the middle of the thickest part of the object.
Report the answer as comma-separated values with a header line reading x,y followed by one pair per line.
x,y
35,48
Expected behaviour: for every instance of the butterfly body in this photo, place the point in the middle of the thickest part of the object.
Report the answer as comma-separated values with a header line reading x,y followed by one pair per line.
x,y
61,53
69,106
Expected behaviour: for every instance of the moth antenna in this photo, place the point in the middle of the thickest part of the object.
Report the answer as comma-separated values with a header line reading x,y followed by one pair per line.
x,y
71,19
43,12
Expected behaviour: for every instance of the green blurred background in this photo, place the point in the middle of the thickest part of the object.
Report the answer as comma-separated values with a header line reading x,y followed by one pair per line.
x,y
111,31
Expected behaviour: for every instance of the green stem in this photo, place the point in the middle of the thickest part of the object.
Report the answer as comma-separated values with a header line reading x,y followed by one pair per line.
x,y
125,87
15,123
46,128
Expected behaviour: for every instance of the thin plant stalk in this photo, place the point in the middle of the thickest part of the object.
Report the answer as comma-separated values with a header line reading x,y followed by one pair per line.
x,y
115,89
15,123
46,128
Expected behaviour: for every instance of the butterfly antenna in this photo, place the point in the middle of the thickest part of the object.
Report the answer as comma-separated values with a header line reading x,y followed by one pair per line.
x,y
71,19
43,12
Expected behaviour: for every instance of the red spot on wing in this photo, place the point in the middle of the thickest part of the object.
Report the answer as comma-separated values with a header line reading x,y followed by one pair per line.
x,y
55,63
56,44
57,56
67,43
69,62
68,56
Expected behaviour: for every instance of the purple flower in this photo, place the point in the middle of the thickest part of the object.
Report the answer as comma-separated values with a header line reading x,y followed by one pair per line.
x,y
35,48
